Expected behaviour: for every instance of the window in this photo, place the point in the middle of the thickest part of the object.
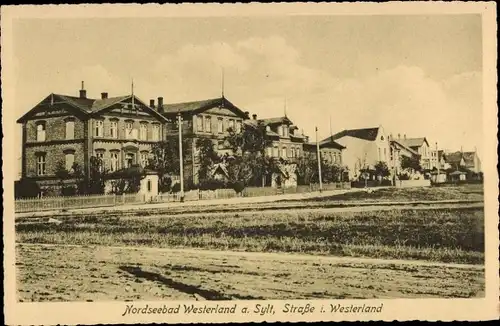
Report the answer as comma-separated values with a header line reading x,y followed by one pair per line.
x,y
283,151
238,127
220,126
128,130
144,159
379,154
40,164
144,131
113,129
385,154
114,161
269,151
129,160
285,131
275,151
231,124
292,151
208,124
70,129
150,185
156,132
70,160
199,123
100,157
280,130
40,131
98,128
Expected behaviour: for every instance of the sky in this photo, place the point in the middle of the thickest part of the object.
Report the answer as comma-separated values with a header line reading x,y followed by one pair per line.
x,y
414,75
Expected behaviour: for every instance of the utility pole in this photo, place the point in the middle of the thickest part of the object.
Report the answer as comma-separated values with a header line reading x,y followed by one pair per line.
x,y
181,167
437,163
319,162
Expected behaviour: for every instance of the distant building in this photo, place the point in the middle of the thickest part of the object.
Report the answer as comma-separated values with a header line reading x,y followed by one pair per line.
x,y
286,140
398,151
363,148
210,119
463,160
421,146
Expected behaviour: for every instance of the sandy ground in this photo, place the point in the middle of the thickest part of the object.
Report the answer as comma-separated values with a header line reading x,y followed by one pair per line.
x,y
90,273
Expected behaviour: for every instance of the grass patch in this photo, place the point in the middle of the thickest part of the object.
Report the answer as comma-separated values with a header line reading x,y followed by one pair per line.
x,y
447,235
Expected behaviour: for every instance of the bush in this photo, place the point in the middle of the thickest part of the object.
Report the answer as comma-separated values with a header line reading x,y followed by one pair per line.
x,y
175,188
68,191
238,186
212,184
26,188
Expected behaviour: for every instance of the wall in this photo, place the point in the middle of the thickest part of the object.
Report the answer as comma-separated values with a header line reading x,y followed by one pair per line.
x,y
356,151
54,154
55,128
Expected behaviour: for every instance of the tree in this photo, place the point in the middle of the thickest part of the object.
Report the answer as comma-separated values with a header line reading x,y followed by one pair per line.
x,y
127,181
207,158
166,161
251,139
410,163
97,176
381,169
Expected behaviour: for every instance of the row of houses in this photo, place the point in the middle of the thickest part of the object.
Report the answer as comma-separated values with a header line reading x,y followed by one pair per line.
x,y
121,131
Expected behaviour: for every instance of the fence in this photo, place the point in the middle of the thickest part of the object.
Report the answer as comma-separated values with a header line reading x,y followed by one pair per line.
x,y
74,202
71,202
413,183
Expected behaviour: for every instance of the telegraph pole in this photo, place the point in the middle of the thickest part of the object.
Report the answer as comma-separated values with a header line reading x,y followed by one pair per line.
x,y
437,163
319,162
181,167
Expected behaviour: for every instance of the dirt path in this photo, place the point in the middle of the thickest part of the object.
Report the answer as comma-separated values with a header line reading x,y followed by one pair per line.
x,y
123,273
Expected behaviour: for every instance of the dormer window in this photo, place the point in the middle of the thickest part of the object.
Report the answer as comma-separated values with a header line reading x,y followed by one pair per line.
x,y
285,131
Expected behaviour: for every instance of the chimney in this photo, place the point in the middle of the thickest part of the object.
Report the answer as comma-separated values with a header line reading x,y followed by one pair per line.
x,y
160,104
254,116
399,136
104,96
152,103
83,92
247,114
405,136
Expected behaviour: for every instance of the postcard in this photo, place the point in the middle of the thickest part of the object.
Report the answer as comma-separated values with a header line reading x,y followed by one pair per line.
x,y
284,162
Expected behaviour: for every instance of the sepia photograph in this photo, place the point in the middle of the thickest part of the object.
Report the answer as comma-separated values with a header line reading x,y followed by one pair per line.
x,y
171,163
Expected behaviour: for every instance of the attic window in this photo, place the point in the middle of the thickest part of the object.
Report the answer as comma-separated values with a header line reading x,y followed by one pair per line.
x,y
381,137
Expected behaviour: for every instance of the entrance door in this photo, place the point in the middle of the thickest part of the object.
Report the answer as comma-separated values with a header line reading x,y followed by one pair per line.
x,y
129,160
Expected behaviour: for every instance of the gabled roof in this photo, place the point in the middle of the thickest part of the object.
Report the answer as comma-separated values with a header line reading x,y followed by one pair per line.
x,y
414,142
369,134
326,143
86,105
398,142
453,158
456,158
276,120
469,158
200,106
